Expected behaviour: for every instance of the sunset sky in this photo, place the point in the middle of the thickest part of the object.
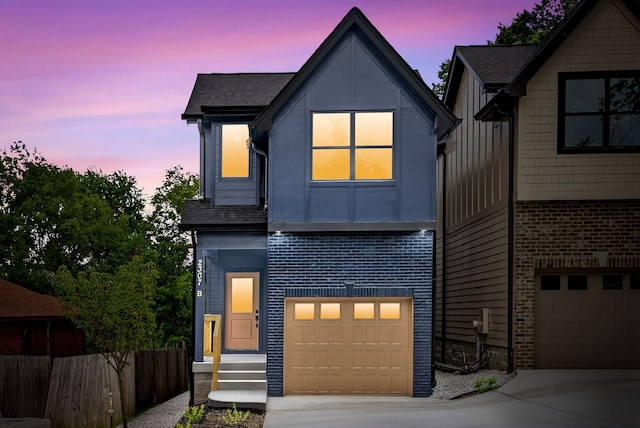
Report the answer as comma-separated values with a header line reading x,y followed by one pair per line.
x,y
101,84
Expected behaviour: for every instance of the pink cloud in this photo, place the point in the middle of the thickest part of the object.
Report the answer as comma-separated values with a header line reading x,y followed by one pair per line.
x,y
103,84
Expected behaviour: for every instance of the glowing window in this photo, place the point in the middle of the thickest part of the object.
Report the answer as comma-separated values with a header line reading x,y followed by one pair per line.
x,y
352,146
389,311
330,311
241,295
363,311
304,311
235,152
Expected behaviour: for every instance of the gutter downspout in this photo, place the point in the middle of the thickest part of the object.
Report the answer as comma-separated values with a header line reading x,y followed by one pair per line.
x,y
202,163
443,355
510,240
266,173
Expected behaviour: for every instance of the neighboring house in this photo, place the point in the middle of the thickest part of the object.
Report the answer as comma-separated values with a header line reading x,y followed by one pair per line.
x,y
315,223
539,192
33,324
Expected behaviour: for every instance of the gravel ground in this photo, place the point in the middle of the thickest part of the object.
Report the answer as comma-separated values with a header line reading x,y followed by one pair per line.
x,y
450,386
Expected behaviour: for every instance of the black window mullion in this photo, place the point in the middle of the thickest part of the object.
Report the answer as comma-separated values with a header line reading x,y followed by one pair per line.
x,y
352,146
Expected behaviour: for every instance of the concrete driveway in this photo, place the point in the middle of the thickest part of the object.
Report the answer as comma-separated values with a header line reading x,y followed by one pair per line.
x,y
534,398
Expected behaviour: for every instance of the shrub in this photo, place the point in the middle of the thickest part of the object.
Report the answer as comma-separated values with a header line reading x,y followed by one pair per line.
x,y
484,385
235,417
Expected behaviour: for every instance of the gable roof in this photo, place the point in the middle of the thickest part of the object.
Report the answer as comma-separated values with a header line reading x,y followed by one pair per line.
x,y
356,19
19,302
495,66
233,92
543,51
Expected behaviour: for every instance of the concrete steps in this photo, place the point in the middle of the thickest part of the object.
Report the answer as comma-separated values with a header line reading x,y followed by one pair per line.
x,y
242,380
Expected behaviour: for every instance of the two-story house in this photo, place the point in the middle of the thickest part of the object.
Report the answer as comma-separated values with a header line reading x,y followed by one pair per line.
x,y
538,243
315,224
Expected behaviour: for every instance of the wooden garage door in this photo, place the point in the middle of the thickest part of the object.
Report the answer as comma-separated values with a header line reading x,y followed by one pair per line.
x,y
587,320
348,346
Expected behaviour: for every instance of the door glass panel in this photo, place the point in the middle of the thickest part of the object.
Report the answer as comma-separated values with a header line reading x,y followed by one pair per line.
x,y
634,281
389,311
304,311
363,311
241,295
330,311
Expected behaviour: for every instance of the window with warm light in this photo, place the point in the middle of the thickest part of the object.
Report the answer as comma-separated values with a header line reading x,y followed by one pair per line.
x,y
389,311
330,311
363,311
235,151
352,146
304,311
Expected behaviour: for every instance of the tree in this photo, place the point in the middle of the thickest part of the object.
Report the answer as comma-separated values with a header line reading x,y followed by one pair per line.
x,y
115,311
530,27
443,74
526,28
52,219
172,254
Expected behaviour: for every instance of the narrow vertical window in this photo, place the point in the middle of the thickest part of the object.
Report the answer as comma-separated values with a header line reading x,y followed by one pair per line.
x,y
235,152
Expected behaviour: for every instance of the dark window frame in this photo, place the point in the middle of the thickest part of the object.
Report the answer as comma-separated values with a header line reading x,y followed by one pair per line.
x,y
605,147
353,146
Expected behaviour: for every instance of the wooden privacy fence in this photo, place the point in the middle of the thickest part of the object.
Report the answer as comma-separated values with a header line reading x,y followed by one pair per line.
x,y
24,383
83,391
160,375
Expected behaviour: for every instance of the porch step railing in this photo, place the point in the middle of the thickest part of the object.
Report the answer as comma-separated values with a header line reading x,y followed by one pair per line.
x,y
212,344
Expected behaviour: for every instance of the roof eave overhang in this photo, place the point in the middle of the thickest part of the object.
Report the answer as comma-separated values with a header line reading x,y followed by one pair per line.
x,y
226,227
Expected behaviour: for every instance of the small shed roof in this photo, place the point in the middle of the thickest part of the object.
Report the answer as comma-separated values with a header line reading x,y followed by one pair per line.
x,y
19,302
198,214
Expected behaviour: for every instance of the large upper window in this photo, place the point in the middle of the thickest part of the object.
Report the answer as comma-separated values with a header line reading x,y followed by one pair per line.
x,y
352,146
235,152
599,112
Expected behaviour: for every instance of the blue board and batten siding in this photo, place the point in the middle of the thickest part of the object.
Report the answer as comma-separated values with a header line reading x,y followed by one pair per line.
x,y
228,191
352,79
380,264
217,254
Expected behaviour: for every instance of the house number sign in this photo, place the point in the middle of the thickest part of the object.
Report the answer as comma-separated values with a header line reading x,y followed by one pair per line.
x,y
199,277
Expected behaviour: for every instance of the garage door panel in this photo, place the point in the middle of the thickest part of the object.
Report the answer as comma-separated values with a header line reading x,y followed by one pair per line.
x,y
346,355
593,327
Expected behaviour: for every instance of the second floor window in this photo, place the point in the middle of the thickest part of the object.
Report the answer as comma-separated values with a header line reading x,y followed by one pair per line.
x,y
352,146
599,112
235,151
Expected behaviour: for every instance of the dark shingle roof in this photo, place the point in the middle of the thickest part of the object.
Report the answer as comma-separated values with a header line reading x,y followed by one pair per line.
x,y
19,302
495,65
199,214
234,91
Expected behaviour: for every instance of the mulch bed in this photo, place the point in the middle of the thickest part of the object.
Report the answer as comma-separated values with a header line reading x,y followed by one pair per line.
x,y
213,418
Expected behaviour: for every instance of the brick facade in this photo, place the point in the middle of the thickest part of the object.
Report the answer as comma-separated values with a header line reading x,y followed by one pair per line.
x,y
327,264
567,235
